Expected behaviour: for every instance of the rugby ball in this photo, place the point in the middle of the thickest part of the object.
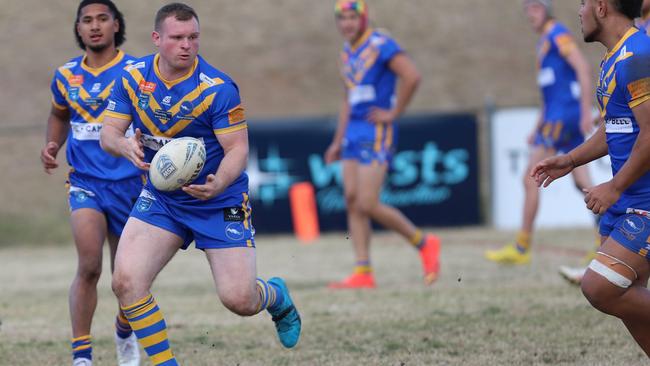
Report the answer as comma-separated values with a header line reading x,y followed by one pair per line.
x,y
177,163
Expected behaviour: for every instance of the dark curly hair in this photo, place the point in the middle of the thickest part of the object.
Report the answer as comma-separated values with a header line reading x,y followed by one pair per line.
x,y
120,35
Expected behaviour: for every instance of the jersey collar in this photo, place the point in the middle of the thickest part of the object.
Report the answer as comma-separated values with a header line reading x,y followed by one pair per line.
x,y
95,71
618,45
170,83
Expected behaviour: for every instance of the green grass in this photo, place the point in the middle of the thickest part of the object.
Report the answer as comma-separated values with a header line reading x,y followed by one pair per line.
x,y
478,313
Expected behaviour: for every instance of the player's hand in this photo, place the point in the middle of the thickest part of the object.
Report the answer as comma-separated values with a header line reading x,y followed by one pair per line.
x,y
333,153
133,150
601,197
48,156
381,116
204,191
550,169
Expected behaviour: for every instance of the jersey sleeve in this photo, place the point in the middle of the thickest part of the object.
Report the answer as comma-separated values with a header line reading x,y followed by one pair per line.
x,y
564,43
58,92
389,49
227,113
633,76
119,104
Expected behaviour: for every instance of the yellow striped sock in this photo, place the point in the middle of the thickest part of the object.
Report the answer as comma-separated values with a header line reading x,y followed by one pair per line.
x,y
417,239
149,326
82,347
523,240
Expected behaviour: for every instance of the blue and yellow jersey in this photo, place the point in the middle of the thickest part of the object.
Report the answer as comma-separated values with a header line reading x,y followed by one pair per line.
x,y
556,78
202,104
84,91
624,84
368,79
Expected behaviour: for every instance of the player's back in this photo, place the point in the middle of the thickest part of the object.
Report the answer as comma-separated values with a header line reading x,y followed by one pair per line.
x,y
624,84
556,77
84,91
202,104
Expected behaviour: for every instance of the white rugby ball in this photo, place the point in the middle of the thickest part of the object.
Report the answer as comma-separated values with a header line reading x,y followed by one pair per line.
x,y
177,163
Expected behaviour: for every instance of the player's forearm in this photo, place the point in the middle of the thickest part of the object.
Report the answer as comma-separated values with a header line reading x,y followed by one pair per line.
x,y
408,85
232,165
592,149
342,123
57,129
637,165
112,140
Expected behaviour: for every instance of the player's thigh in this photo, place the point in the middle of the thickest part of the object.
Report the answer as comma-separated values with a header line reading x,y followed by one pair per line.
x,y
143,250
89,232
234,271
537,154
371,180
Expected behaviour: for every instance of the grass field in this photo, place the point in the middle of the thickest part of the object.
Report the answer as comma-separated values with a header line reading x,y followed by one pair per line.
x,y
476,314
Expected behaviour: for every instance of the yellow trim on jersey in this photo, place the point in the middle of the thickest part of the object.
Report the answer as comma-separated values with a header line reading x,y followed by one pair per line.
x,y
122,116
548,26
389,138
244,206
74,105
565,44
142,114
98,70
379,135
610,90
59,106
618,45
361,39
223,131
153,103
638,102
170,83
193,95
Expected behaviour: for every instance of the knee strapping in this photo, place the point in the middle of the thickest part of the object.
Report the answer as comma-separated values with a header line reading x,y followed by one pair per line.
x,y
610,274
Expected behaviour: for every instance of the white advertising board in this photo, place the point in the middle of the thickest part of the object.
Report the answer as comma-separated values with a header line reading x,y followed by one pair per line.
x,y
561,205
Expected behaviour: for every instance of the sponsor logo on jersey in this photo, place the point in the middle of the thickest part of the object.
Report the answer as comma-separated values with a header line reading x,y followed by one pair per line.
x,y
132,66
162,115
619,125
94,102
233,214
236,115
167,100
76,80
147,86
70,65
206,79
96,88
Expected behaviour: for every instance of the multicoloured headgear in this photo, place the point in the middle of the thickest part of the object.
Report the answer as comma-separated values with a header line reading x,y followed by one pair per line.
x,y
359,6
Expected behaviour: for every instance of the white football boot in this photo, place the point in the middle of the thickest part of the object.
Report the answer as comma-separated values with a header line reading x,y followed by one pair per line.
x,y
128,353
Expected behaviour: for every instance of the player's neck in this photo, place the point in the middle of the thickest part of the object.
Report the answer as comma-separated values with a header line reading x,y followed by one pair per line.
x,y
96,60
614,32
170,73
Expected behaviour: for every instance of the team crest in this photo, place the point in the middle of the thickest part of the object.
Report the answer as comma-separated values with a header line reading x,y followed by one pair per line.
x,y
143,101
235,231
79,196
144,204
73,93
186,108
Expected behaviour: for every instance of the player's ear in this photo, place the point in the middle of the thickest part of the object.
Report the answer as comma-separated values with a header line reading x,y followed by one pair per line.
x,y
155,37
116,26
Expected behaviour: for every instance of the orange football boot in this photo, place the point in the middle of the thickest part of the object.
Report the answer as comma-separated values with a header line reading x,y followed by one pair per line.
x,y
355,281
430,255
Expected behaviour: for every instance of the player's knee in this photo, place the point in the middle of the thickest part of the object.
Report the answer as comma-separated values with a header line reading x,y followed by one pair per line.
x,y
122,284
240,303
599,295
89,271
350,199
366,206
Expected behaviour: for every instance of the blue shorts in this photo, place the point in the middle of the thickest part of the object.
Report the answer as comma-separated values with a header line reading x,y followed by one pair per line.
x,y
112,198
208,227
561,136
368,143
630,230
